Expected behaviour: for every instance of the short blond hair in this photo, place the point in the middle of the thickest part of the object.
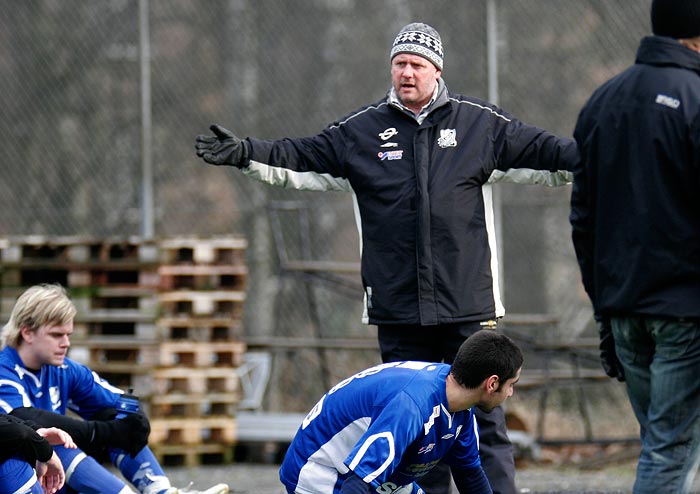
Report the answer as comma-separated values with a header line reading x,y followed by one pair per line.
x,y
37,306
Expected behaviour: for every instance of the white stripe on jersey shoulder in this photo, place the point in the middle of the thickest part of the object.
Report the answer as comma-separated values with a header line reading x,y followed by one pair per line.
x,y
415,365
291,179
20,390
364,110
471,103
101,382
532,177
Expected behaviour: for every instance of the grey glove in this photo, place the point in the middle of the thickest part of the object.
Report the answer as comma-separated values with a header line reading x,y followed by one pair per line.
x,y
223,148
608,356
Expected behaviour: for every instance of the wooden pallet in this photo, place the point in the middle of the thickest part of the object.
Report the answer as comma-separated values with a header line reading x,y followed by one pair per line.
x,y
39,249
195,405
195,380
201,354
199,328
77,261
114,297
215,303
192,455
125,317
22,277
199,277
80,275
132,276
115,316
192,250
115,354
138,331
203,430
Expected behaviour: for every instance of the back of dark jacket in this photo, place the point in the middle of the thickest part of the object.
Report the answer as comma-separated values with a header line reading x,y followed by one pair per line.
x,y
635,206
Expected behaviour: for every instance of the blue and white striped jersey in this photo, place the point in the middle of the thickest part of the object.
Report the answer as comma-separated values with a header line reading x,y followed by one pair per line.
x,y
54,388
388,424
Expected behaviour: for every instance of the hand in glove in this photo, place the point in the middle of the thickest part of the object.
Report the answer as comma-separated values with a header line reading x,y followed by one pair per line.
x,y
223,148
608,356
130,433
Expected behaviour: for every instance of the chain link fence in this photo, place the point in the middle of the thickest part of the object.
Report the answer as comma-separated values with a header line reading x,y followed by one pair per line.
x,y
102,99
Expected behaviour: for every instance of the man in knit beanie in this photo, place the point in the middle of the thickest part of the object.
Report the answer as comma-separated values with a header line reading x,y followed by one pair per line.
x,y
635,214
415,44
421,162
419,39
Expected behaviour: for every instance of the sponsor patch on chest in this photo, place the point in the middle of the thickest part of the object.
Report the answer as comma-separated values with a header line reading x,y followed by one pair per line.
x,y
390,155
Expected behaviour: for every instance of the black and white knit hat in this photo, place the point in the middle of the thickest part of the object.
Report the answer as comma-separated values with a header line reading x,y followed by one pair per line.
x,y
676,18
419,39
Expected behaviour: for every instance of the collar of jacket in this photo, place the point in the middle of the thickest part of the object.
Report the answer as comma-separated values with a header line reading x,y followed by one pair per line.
x,y
660,50
441,98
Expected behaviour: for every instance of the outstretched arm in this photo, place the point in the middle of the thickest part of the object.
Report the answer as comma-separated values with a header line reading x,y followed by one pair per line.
x,y
308,163
526,154
222,148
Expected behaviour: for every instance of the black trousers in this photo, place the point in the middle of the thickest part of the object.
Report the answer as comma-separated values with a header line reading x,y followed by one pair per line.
x,y
440,344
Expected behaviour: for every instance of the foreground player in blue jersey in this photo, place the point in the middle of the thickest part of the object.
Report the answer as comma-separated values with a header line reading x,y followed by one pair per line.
x,y
382,429
39,383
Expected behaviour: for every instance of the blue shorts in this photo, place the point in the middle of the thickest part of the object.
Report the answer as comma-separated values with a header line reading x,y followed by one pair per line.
x,y
18,477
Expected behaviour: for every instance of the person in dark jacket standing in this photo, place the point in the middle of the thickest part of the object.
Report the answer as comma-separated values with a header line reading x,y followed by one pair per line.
x,y
635,213
420,162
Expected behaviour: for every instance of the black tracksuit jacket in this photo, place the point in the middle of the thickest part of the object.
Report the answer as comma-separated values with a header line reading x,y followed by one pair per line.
x,y
635,205
424,197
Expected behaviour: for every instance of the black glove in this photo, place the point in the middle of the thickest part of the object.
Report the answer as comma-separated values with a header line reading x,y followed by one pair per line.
x,y
608,356
94,437
223,148
130,433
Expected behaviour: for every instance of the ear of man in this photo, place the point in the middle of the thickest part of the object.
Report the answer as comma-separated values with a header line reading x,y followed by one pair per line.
x,y
26,333
691,43
493,383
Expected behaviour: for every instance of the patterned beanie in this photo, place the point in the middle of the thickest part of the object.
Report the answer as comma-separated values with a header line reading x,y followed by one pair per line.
x,y
675,18
419,39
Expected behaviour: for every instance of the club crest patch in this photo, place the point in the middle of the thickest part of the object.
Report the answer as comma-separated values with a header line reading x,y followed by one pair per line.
x,y
448,138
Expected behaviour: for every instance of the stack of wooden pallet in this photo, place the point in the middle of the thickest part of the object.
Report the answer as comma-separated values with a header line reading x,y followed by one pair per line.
x,y
160,317
196,388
